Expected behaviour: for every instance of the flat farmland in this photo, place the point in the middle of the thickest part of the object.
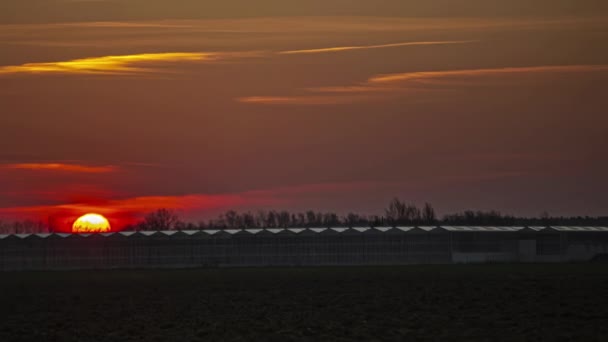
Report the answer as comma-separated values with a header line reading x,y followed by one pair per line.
x,y
502,302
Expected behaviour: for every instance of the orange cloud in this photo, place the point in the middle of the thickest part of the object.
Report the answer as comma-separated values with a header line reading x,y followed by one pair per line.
x,y
136,63
123,212
367,47
306,24
146,204
191,202
397,84
267,33
414,76
298,100
117,65
61,167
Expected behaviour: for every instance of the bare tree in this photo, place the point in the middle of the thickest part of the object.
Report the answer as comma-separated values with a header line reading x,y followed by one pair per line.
x,y
331,220
248,220
401,213
396,211
262,218
428,214
161,219
311,218
352,219
272,219
284,219
231,218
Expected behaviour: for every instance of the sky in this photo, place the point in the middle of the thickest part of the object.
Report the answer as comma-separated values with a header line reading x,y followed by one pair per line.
x,y
124,106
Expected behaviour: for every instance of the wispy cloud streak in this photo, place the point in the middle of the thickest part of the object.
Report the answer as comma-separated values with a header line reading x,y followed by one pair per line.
x,y
398,84
368,47
76,168
299,100
144,63
414,76
118,65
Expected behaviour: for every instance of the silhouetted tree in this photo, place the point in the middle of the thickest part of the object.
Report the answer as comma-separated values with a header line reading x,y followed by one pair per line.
x,y
311,218
331,220
230,217
284,219
261,218
395,211
24,227
179,225
428,214
248,220
272,219
401,213
352,220
161,219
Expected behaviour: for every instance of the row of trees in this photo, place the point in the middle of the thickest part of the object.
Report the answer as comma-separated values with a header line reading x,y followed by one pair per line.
x,y
397,213
24,227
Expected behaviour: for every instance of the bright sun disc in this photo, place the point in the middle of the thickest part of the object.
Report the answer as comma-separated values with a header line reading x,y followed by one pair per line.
x,y
91,223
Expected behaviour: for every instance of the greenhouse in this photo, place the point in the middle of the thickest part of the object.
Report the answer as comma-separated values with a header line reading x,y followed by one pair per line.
x,y
301,247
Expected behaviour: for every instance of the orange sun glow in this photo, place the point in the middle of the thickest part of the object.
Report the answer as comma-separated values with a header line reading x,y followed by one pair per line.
x,y
91,223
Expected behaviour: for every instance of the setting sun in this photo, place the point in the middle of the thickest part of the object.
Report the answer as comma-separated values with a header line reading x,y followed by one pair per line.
x,y
91,223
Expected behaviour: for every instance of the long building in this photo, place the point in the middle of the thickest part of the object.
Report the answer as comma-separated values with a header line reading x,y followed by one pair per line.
x,y
301,247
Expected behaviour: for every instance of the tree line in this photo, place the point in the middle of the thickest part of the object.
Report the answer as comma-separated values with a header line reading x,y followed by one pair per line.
x,y
397,213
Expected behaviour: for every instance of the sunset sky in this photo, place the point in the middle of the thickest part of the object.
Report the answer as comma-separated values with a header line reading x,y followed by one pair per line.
x,y
124,106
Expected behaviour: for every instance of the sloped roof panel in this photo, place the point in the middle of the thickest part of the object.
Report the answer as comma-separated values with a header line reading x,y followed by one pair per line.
x,y
43,235
508,228
579,229
317,230
565,229
232,231
252,231
339,230
480,229
453,228
296,230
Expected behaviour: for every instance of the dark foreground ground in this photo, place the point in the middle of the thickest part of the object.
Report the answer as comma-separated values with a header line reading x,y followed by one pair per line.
x,y
434,303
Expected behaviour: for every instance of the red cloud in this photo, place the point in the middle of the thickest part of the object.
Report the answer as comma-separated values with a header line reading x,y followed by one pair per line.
x,y
61,167
124,212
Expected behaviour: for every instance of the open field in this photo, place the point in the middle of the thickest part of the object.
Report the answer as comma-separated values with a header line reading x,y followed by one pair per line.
x,y
456,302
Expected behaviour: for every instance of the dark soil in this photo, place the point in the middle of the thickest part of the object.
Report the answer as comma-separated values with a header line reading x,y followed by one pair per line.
x,y
417,303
